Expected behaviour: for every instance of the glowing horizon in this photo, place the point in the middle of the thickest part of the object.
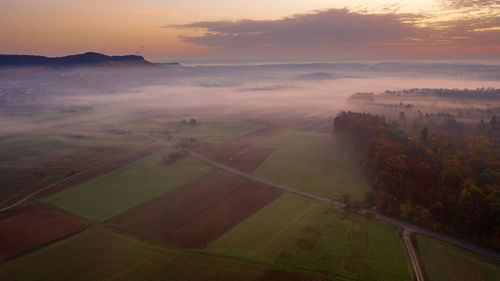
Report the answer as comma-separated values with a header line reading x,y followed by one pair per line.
x,y
221,29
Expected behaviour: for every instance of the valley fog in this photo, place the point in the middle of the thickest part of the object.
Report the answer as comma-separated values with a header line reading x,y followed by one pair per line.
x,y
164,152
282,94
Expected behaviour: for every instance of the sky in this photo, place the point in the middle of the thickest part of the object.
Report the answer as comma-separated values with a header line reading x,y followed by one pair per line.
x,y
257,30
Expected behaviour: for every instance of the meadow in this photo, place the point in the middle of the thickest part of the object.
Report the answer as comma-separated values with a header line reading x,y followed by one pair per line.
x,y
218,130
263,236
342,244
207,129
303,234
312,162
443,261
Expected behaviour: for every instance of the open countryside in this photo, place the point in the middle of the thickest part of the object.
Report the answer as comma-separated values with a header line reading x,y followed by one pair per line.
x,y
250,140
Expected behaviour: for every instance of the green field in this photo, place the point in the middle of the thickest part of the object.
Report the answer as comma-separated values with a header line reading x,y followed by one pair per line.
x,y
292,233
56,153
101,254
442,261
312,162
71,148
117,191
339,243
218,131
300,233
263,236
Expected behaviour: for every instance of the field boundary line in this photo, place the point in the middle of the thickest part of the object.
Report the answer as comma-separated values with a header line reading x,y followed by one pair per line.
x,y
413,228
29,196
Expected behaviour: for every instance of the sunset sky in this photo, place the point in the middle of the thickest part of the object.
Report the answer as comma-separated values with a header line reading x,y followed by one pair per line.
x,y
254,30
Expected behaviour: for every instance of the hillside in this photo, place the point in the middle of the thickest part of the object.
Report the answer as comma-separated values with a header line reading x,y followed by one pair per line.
x,y
89,58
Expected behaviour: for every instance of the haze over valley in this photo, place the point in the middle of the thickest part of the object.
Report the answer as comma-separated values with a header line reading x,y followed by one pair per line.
x,y
307,140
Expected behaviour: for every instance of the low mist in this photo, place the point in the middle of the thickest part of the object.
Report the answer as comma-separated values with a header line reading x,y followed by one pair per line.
x,y
284,94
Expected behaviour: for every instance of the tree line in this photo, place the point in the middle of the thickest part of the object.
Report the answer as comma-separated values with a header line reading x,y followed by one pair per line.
x,y
449,182
479,93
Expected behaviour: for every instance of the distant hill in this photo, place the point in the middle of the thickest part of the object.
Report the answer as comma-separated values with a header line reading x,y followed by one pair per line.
x,y
89,58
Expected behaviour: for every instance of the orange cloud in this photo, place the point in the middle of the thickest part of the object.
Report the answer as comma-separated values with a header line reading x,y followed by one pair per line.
x,y
337,32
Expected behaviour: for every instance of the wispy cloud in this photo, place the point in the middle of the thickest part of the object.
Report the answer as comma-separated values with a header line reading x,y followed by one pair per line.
x,y
341,32
319,30
470,3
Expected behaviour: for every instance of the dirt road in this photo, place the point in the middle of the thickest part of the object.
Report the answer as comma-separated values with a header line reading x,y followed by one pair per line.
x,y
339,204
439,236
413,256
91,173
400,223
266,182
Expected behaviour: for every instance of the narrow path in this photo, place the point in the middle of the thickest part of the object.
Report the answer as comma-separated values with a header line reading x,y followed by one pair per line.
x,y
400,223
413,256
68,179
266,182
406,226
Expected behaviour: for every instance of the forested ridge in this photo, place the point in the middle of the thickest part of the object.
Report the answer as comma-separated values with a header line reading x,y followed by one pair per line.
x,y
447,180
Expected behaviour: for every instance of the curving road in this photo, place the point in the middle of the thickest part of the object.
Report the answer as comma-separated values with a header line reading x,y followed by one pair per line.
x,y
408,228
439,236
400,223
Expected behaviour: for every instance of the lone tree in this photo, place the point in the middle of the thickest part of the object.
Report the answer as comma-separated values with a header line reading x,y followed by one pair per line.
x,y
193,122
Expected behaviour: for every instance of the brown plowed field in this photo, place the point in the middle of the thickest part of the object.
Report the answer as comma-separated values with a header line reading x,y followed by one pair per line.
x,y
197,213
33,225
225,152
249,160
100,170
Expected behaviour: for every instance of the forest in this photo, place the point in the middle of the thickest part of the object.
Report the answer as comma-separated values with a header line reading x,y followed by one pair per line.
x,y
438,176
479,93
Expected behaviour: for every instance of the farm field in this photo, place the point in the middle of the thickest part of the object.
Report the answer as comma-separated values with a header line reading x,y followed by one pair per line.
x,y
126,187
32,161
312,162
300,233
230,228
227,151
191,215
250,159
442,261
33,225
101,254
16,182
218,131
263,236
342,244
101,169
58,146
